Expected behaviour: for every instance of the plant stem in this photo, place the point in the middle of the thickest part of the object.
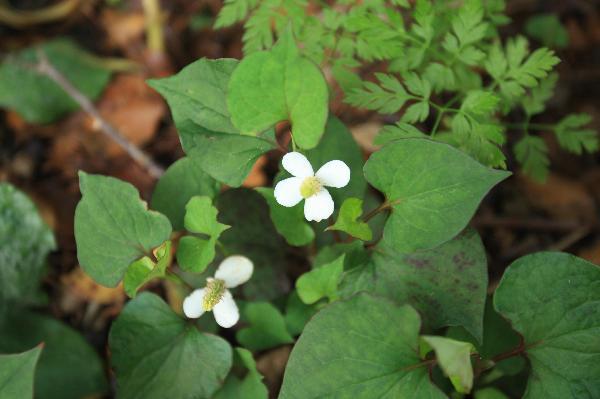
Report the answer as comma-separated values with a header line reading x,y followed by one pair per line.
x,y
154,27
380,208
44,67
174,277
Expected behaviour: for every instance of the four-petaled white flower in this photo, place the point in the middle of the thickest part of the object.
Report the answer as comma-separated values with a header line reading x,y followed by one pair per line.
x,y
233,271
308,185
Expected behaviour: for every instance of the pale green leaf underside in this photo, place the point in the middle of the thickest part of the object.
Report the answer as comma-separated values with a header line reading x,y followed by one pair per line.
x,y
113,227
433,188
364,347
553,300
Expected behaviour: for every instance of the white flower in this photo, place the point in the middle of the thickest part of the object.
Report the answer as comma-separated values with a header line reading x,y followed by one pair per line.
x,y
233,271
310,185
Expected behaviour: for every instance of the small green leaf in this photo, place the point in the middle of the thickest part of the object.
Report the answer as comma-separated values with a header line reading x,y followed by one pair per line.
x,y
201,217
249,387
454,358
145,269
289,222
68,368
198,94
348,222
113,228
573,137
17,372
296,89
37,98
25,241
432,189
228,158
157,354
321,282
532,154
552,300
194,253
267,327
183,180
365,347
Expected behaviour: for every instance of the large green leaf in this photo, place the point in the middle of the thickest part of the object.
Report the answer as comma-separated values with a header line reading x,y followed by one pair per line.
x,y
37,98
272,86
433,190
364,347
226,157
447,284
157,354
113,227
25,241
16,374
68,368
553,301
252,234
198,93
183,180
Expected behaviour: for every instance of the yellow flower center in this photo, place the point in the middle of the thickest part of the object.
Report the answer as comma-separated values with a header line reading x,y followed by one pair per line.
x,y
310,186
215,289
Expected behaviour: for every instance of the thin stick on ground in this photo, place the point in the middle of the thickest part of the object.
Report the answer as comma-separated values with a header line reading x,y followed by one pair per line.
x,y
45,67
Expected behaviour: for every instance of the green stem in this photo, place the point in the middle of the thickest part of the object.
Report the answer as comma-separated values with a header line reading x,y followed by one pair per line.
x,y
174,277
386,205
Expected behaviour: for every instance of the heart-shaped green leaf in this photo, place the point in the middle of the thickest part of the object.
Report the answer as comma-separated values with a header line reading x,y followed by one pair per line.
x,y
113,228
363,347
553,300
433,190
271,86
447,284
16,374
157,354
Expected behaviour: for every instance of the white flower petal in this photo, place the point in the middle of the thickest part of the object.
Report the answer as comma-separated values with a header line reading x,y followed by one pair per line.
x,y
192,304
334,174
297,164
319,206
287,192
235,270
226,311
